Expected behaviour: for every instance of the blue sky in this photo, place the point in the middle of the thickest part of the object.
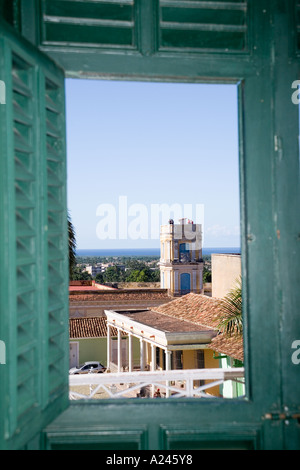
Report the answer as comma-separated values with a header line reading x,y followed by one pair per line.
x,y
135,145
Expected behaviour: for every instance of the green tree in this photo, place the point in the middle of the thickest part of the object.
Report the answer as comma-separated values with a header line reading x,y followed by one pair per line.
x,y
143,275
206,275
79,275
99,278
135,264
112,274
231,321
133,275
72,246
156,275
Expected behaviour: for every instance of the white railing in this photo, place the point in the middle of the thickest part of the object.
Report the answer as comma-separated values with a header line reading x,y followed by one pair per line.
x,y
173,383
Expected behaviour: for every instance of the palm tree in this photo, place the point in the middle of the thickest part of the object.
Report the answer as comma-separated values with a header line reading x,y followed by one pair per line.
x,y
72,246
231,321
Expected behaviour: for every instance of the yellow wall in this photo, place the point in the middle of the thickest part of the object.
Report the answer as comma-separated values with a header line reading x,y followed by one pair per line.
x,y
189,360
211,363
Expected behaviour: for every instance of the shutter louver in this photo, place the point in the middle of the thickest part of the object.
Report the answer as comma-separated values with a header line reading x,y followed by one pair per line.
x,y
198,25
98,23
56,176
26,237
34,299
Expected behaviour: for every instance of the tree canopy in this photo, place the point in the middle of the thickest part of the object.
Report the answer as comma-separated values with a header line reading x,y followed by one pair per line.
x,y
72,246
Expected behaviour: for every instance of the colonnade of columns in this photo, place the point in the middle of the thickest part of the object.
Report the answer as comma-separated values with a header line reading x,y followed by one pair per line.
x,y
143,343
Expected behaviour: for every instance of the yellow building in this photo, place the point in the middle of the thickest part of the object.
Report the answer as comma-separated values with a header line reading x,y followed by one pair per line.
x,y
181,263
176,335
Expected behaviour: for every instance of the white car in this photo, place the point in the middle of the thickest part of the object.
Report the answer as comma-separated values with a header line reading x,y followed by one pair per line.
x,y
88,367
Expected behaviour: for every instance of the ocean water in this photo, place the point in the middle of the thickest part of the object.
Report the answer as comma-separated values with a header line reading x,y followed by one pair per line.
x,y
146,251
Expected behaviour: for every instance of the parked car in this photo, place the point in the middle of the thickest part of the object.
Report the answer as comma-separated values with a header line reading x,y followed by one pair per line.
x,y
88,367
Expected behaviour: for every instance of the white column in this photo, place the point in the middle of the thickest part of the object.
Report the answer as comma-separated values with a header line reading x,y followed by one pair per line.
x,y
119,350
153,357
153,365
108,347
168,251
168,367
142,360
168,359
130,352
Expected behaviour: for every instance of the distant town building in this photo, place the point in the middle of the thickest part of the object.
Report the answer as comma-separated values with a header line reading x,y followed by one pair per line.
x,y
181,263
101,268
93,270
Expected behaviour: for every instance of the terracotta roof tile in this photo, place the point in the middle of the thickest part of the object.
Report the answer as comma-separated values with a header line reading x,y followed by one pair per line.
x,y
230,345
162,322
82,288
204,311
195,308
89,328
98,295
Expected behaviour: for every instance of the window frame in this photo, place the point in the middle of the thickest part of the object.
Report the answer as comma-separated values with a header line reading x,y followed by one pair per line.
x,y
269,158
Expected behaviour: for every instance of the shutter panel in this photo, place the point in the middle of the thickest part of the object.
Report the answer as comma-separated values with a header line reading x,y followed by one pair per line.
x,y
34,250
98,23
203,26
56,219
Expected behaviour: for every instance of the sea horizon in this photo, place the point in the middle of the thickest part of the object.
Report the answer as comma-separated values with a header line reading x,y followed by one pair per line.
x,y
110,252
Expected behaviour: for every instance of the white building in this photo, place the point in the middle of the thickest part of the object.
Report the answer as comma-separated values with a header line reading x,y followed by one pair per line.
x,y
94,270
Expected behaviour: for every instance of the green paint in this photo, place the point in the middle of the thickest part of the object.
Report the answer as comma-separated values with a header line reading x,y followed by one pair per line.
x,y
260,53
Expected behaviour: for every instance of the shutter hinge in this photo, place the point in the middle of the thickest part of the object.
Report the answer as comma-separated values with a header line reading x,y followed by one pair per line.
x,y
276,416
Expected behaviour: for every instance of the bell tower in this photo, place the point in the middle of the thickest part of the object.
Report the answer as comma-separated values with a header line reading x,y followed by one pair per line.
x,y
181,263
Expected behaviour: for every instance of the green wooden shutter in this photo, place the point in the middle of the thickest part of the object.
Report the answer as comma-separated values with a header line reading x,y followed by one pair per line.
x,y
97,24
34,253
252,43
203,26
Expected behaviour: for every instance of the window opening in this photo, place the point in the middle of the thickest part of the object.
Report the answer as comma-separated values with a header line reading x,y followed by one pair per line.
x,y
153,194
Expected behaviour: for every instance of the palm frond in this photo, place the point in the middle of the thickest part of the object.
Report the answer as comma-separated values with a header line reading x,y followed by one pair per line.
x,y
231,321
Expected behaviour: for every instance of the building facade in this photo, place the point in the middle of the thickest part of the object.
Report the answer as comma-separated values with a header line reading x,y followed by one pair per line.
x,y
181,263
94,270
227,271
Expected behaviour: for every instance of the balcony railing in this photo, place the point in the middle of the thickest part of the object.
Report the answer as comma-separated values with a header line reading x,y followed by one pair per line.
x,y
192,383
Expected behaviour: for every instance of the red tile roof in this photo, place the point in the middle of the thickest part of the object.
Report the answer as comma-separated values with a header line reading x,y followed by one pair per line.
x,y
82,288
89,328
195,308
90,295
229,345
165,323
204,311
87,286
